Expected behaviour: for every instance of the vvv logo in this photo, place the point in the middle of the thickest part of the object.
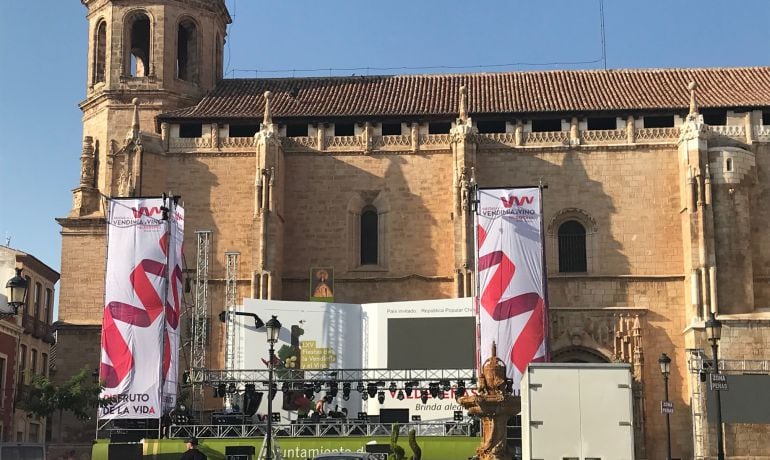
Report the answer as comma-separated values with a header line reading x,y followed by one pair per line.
x,y
517,200
146,211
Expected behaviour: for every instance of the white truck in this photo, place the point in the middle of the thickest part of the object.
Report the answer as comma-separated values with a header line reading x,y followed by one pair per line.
x,y
576,411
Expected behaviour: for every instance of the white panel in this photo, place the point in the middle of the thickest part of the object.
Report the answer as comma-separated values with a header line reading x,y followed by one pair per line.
x,y
606,417
553,396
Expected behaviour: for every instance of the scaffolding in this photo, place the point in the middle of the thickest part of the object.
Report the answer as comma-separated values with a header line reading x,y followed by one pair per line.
x,y
231,336
200,314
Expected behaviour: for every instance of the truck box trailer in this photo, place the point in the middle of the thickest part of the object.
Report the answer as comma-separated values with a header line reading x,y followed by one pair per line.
x,y
576,411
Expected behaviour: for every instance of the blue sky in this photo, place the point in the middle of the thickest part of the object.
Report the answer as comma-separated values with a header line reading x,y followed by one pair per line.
x,y
43,46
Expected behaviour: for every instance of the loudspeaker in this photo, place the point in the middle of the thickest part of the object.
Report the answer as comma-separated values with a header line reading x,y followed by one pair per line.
x,y
124,451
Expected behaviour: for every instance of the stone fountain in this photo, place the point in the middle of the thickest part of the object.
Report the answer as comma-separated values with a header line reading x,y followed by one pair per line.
x,y
494,405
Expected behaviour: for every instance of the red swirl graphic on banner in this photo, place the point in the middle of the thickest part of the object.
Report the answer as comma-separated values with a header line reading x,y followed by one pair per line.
x,y
531,337
114,344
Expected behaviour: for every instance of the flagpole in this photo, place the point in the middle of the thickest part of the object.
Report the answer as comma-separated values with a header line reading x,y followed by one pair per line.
x,y
544,281
167,212
474,209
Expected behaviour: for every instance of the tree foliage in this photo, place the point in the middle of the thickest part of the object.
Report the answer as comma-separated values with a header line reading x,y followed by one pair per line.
x,y
78,395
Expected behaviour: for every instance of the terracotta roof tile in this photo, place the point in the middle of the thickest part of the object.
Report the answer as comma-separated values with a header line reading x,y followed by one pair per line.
x,y
488,93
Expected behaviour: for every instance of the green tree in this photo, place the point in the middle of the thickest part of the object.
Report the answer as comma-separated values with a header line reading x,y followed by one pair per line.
x,y
78,395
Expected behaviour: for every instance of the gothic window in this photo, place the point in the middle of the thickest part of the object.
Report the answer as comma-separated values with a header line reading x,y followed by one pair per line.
x,y
100,52
187,51
369,236
367,231
572,247
138,49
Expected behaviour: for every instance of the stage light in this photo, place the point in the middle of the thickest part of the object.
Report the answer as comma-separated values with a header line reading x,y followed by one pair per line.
x,y
345,391
273,390
392,386
360,387
400,395
333,389
408,388
424,396
317,387
509,386
460,388
308,391
458,416
441,394
328,398
381,397
285,387
371,389
231,388
364,396
433,388
446,384
221,390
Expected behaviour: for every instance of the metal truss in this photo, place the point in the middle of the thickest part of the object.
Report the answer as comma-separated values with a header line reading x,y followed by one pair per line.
x,y
231,339
698,362
200,314
341,428
213,377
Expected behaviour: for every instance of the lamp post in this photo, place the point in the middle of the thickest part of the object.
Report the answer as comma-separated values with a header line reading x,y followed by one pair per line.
x,y
665,369
17,293
714,328
273,327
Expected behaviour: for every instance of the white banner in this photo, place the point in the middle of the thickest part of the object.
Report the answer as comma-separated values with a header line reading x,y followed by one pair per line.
x,y
512,307
134,320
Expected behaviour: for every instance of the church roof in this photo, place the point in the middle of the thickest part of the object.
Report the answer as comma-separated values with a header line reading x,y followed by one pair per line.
x,y
488,93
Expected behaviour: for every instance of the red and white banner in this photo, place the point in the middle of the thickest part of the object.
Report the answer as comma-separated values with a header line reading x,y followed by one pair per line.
x,y
512,307
135,355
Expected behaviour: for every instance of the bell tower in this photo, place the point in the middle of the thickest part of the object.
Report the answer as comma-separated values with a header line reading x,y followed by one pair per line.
x,y
165,53
145,57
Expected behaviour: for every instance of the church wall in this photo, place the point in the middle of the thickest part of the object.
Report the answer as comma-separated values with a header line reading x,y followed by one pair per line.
x,y
218,195
83,262
760,221
632,195
417,192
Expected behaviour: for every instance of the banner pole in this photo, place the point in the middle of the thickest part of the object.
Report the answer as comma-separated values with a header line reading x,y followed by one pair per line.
x,y
474,209
546,315
167,211
104,305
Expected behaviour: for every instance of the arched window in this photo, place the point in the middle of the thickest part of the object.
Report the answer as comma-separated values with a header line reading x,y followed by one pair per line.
x,y
100,52
369,236
572,247
187,51
138,59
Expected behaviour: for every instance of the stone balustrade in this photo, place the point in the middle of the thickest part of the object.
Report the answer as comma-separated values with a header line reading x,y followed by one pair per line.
x,y
429,142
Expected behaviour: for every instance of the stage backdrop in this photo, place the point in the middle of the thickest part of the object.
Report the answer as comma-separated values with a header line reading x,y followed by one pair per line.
x,y
432,334
512,307
140,323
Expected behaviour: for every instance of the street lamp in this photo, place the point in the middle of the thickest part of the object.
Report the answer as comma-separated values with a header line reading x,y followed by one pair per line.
x,y
665,369
17,293
273,327
714,328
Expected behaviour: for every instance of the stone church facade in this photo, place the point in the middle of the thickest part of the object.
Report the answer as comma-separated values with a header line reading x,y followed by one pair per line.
x,y
655,202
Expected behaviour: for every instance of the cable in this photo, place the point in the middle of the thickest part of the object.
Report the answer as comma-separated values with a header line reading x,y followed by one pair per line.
x,y
604,42
442,67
